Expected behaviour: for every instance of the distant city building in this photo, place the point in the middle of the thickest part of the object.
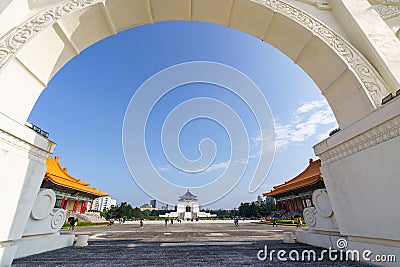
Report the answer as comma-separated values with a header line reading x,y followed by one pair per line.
x,y
164,207
260,198
270,199
72,194
188,208
153,203
145,206
293,196
102,203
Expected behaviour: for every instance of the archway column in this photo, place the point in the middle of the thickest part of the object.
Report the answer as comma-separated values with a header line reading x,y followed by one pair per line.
x,y
360,166
378,43
23,156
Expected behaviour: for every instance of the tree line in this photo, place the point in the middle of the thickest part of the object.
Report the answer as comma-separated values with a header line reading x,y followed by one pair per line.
x,y
256,210
246,210
126,211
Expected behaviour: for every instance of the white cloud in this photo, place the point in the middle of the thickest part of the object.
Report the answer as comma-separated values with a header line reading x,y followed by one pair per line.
x,y
213,167
225,164
266,141
304,123
309,106
217,166
166,168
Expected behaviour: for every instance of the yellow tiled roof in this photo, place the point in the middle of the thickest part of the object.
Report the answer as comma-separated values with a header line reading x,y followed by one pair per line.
x,y
311,175
58,175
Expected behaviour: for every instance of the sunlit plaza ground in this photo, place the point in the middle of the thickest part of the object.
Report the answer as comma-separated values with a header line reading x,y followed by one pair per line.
x,y
217,243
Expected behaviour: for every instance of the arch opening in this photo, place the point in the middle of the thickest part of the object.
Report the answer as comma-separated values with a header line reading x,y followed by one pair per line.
x,y
34,52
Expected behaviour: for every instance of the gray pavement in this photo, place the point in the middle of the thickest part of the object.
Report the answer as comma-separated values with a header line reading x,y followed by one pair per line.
x,y
186,244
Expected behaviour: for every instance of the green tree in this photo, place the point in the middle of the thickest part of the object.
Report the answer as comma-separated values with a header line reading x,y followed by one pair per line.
x,y
146,213
137,213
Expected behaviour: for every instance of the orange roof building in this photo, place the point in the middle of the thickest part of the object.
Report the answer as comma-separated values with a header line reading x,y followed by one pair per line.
x,y
296,194
72,194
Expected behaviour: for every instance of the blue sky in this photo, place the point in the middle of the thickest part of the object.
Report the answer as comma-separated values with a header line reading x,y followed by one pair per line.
x,y
84,105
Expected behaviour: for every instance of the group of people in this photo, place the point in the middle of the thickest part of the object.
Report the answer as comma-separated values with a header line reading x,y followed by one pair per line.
x,y
299,222
74,221
171,220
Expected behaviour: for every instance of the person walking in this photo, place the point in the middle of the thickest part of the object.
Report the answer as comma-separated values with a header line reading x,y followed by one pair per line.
x,y
236,222
298,222
274,222
71,221
141,222
166,221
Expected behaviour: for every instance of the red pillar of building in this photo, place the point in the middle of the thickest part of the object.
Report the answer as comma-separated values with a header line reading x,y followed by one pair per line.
x,y
305,202
301,203
63,203
91,205
83,207
75,206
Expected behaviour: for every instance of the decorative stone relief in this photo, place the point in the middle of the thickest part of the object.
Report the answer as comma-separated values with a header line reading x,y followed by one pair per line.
x,y
16,38
365,72
386,2
320,4
375,136
44,219
387,9
321,216
387,12
373,83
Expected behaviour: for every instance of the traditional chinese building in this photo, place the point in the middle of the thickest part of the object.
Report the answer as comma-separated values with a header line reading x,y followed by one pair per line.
x,y
188,208
293,196
73,195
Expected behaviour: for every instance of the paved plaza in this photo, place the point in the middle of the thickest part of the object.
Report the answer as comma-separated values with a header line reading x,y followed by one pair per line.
x,y
180,244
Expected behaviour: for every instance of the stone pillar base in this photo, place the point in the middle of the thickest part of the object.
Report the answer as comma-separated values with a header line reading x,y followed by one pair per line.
x,y
323,239
41,243
383,252
376,251
7,253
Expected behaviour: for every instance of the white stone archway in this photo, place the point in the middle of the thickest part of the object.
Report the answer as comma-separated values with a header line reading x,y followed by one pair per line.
x,y
35,50
355,67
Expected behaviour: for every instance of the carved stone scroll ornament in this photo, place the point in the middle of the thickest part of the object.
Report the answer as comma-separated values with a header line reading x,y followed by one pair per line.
x,y
321,216
44,218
